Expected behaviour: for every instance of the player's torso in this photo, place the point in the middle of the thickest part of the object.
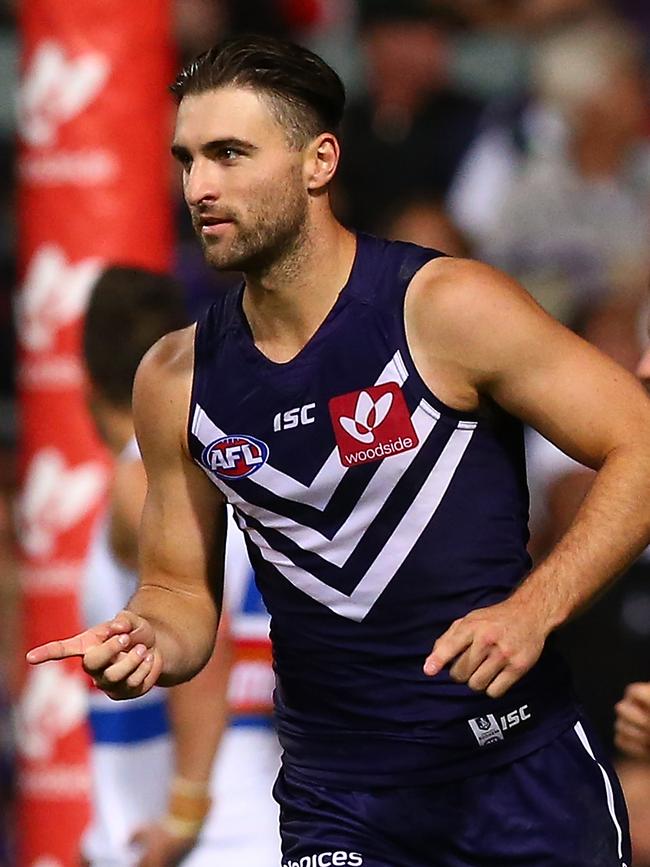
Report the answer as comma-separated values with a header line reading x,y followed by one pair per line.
x,y
374,514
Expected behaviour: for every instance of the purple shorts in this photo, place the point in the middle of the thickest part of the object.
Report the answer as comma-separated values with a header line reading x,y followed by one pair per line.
x,y
560,806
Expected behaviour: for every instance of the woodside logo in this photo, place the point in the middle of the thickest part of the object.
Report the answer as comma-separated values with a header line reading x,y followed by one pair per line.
x,y
372,424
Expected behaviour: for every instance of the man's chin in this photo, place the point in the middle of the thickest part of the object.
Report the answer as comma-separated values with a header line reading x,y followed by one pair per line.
x,y
221,260
217,254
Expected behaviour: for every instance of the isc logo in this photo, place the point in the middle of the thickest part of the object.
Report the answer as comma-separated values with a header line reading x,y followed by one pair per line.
x,y
515,717
293,417
235,457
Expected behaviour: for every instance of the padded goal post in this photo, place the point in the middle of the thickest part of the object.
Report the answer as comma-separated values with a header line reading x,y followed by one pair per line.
x,y
94,188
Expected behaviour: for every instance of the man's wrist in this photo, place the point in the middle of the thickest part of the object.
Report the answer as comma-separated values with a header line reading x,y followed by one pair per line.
x,y
549,610
189,805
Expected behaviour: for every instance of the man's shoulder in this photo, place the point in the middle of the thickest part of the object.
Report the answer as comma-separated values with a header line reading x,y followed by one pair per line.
x,y
469,314
172,355
163,385
464,288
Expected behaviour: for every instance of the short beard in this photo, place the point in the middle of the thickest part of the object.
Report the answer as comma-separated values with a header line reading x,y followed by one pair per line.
x,y
276,233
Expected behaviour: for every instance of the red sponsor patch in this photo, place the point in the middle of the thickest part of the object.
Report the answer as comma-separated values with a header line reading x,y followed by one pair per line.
x,y
372,424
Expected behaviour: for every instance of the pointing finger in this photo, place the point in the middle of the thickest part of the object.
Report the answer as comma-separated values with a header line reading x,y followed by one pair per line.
x,y
65,648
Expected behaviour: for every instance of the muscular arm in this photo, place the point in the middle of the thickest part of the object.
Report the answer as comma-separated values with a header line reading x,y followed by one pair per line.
x,y
477,333
167,632
183,521
198,709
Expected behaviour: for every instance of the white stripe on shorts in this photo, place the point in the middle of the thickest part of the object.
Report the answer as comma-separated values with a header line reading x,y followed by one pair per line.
x,y
582,736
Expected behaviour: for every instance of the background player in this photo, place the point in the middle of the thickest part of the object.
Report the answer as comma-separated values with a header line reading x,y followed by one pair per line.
x,y
152,759
370,739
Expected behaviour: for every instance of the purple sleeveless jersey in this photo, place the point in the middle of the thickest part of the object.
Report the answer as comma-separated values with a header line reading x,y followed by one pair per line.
x,y
374,516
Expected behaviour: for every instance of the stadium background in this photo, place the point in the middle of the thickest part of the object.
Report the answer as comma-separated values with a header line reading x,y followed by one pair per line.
x,y
513,130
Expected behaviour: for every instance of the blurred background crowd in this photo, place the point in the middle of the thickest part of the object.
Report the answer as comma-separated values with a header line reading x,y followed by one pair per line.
x,y
514,131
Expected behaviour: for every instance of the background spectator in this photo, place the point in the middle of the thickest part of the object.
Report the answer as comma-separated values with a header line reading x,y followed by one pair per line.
x,y
407,133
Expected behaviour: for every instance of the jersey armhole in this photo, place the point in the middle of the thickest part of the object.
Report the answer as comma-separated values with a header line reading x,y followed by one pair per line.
x,y
438,404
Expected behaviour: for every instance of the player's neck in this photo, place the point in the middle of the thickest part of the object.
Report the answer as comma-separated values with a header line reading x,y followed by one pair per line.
x,y
286,305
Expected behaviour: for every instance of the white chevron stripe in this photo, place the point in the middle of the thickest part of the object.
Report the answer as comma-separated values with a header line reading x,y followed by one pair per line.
x,y
347,537
384,567
320,491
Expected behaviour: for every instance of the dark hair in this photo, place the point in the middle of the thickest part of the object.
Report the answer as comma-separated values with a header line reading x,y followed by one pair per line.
x,y
129,309
305,94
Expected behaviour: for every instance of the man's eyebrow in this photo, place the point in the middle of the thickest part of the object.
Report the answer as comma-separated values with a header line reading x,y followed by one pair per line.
x,y
180,152
220,143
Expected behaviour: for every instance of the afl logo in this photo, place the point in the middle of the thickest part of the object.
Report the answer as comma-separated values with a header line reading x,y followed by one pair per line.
x,y
235,457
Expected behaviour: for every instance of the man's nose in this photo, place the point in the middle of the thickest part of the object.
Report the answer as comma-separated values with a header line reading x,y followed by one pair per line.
x,y
201,184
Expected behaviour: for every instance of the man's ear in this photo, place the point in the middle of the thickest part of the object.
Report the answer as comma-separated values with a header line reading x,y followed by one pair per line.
x,y
321,161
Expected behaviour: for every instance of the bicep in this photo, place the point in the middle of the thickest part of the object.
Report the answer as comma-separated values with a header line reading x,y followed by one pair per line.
x,y
508,349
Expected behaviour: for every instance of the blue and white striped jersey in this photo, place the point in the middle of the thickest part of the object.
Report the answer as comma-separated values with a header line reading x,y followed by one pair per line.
x,y
375,515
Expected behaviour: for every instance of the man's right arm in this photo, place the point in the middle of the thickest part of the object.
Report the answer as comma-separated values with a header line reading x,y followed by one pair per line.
x,y
182,533
167,632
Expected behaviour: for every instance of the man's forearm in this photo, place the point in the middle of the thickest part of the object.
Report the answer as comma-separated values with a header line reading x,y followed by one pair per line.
x,y
611,528
185,627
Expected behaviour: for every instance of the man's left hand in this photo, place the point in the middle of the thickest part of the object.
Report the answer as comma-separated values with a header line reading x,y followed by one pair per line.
x,y
491,648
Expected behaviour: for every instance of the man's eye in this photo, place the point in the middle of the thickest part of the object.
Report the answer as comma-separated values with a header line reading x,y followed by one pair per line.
x,y
229,154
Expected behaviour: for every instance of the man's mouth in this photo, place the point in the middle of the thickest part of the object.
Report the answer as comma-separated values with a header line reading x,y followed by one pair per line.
x,y
212,225
213,221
